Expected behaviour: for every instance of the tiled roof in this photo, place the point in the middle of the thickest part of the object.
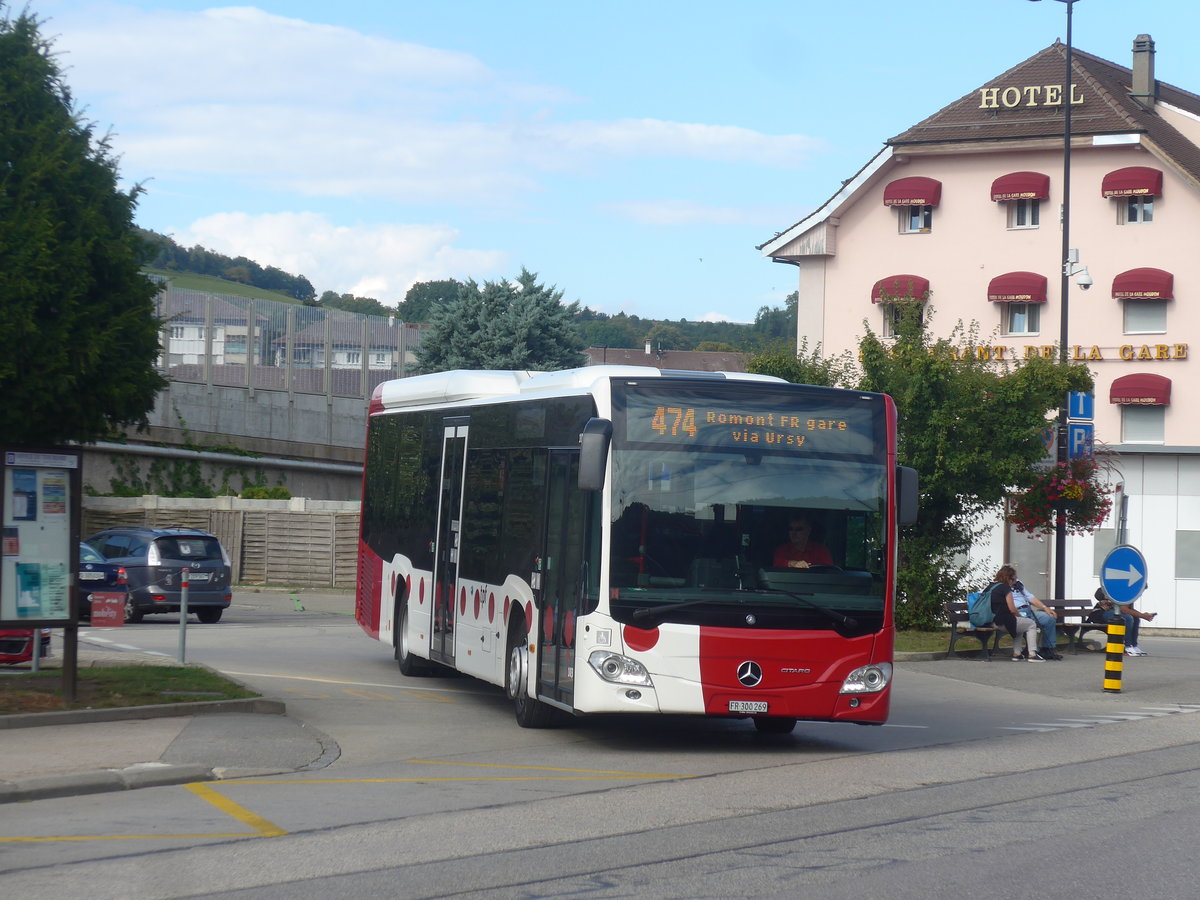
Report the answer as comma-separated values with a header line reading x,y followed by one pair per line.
x,y
680,360
1107,108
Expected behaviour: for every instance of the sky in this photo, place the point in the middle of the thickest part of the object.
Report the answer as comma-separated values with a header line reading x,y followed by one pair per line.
x,y
632,154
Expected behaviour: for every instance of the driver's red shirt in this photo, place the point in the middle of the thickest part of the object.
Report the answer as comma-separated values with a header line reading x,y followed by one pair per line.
x,y
813,553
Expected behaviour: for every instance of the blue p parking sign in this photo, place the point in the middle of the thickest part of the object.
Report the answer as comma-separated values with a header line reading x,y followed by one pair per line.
x,y
1123,574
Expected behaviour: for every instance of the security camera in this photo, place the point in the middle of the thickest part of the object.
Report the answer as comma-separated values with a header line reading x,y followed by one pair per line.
x,y
1084,280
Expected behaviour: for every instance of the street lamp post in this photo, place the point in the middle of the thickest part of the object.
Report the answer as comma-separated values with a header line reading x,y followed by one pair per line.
x,y
1060,525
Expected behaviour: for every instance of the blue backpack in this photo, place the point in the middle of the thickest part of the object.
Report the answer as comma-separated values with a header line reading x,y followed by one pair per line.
x,y
979,607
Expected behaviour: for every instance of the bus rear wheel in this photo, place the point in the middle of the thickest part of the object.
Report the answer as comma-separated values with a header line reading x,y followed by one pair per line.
x,y
774,724
531,713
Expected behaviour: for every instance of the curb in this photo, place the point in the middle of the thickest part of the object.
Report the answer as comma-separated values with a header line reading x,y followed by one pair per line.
x,y
76,784
261,705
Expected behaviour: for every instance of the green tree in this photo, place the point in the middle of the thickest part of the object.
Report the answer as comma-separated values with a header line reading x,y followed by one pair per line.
x,y
502,325
77,321
426,297
972,427
772,323
804,366
665,336
367,306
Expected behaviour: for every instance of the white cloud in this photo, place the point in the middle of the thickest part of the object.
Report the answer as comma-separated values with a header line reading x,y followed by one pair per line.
x,y
278,103
718,317
380,261
652,137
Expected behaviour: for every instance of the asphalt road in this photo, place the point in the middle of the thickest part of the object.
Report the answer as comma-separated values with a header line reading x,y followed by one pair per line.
x,y
999,774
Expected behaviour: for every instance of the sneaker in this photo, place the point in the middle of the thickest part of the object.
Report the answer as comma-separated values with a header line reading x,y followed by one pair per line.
x,y
1036,658
1049,654
1135,651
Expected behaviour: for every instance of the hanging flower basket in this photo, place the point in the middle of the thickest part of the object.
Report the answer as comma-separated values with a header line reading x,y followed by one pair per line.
x,y
1072,490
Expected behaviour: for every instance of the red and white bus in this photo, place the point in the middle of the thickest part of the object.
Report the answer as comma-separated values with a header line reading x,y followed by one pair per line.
x,y
603,540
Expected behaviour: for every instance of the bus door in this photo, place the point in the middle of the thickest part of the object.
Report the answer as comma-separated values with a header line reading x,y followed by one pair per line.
x,y
449,528
563,577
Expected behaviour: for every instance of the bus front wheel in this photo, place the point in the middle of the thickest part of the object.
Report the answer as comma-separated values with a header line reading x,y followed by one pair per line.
x,y
410,666
531,713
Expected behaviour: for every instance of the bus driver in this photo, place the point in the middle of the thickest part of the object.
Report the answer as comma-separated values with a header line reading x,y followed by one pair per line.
x,y
801,551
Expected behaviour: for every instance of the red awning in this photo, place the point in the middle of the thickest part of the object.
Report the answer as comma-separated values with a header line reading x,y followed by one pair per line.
x,y
1141,389
1144,284
913,287
914,191
1136,181
1018,287
1021,186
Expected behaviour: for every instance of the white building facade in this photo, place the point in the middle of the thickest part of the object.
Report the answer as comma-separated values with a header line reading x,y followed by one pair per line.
x,y
967,205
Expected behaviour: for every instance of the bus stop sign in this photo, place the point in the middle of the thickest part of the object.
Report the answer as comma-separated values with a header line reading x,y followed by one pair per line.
x,y
1123,574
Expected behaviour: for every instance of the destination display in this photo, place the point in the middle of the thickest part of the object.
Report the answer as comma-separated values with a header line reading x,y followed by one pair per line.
x,y
771,421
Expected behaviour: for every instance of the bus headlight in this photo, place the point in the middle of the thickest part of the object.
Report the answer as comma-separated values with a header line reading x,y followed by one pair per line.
x,y
868,679
619,669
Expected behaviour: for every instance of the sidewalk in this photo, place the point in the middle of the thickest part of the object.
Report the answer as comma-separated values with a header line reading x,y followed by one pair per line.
x,y
93,751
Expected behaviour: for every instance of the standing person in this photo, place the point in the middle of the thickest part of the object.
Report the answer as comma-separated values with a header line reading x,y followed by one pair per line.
x,y
801,551
1127,616
1046,618
1004,609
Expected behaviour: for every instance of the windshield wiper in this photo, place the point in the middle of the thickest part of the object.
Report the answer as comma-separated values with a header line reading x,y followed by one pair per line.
x,y
651,612
842,619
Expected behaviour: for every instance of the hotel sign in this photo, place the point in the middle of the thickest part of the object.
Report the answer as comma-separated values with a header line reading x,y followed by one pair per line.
x,y
1078,353
1029,95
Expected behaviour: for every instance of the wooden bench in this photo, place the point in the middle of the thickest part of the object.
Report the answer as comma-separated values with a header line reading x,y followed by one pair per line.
x,y
1072,620
961,627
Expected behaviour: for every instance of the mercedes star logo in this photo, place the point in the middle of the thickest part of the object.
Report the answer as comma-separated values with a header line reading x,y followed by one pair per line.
x,y
749,673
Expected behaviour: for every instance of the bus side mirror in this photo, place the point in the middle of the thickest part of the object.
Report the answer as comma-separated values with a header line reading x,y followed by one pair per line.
x,y
908,495
593,453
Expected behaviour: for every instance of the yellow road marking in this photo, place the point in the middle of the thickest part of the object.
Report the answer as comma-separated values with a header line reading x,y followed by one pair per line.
x,y
618,772
368,695
364,684
122,837
265,828
227,806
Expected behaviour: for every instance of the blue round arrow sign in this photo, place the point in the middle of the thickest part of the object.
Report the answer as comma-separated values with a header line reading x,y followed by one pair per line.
x,y
1123,574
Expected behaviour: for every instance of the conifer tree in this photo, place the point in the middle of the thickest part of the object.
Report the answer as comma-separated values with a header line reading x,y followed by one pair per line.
x,y
77,319
503,325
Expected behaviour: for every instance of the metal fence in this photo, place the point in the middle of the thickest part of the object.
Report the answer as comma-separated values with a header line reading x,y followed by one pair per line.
x,y
223,339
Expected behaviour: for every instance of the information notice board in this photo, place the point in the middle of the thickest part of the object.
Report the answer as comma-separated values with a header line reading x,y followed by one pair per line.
x,y
40,536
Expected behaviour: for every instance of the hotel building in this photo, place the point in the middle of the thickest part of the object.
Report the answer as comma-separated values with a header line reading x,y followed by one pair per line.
x,y
965,208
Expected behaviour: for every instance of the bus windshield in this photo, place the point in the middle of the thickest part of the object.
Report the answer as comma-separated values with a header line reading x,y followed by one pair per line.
x,y
711,529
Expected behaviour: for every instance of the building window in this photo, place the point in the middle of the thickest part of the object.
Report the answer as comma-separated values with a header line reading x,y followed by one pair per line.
x,y
1143,424
916,219
892,312
1136,210
1145,316
177,333
1024,213
1020,318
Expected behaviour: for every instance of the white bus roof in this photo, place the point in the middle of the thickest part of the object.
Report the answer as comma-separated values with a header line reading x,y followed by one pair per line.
x,y
465,384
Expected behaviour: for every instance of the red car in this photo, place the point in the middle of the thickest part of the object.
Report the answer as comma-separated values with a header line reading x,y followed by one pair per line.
x,y
16,645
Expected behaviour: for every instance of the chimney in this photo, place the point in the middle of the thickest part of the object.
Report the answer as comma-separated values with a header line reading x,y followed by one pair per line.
x,y
648,351
1145,88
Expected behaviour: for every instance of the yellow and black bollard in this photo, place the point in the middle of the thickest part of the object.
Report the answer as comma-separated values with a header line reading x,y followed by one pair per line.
x,y
1114,657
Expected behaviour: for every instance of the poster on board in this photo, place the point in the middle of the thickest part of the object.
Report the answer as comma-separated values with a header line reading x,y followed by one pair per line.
x,y
38,557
